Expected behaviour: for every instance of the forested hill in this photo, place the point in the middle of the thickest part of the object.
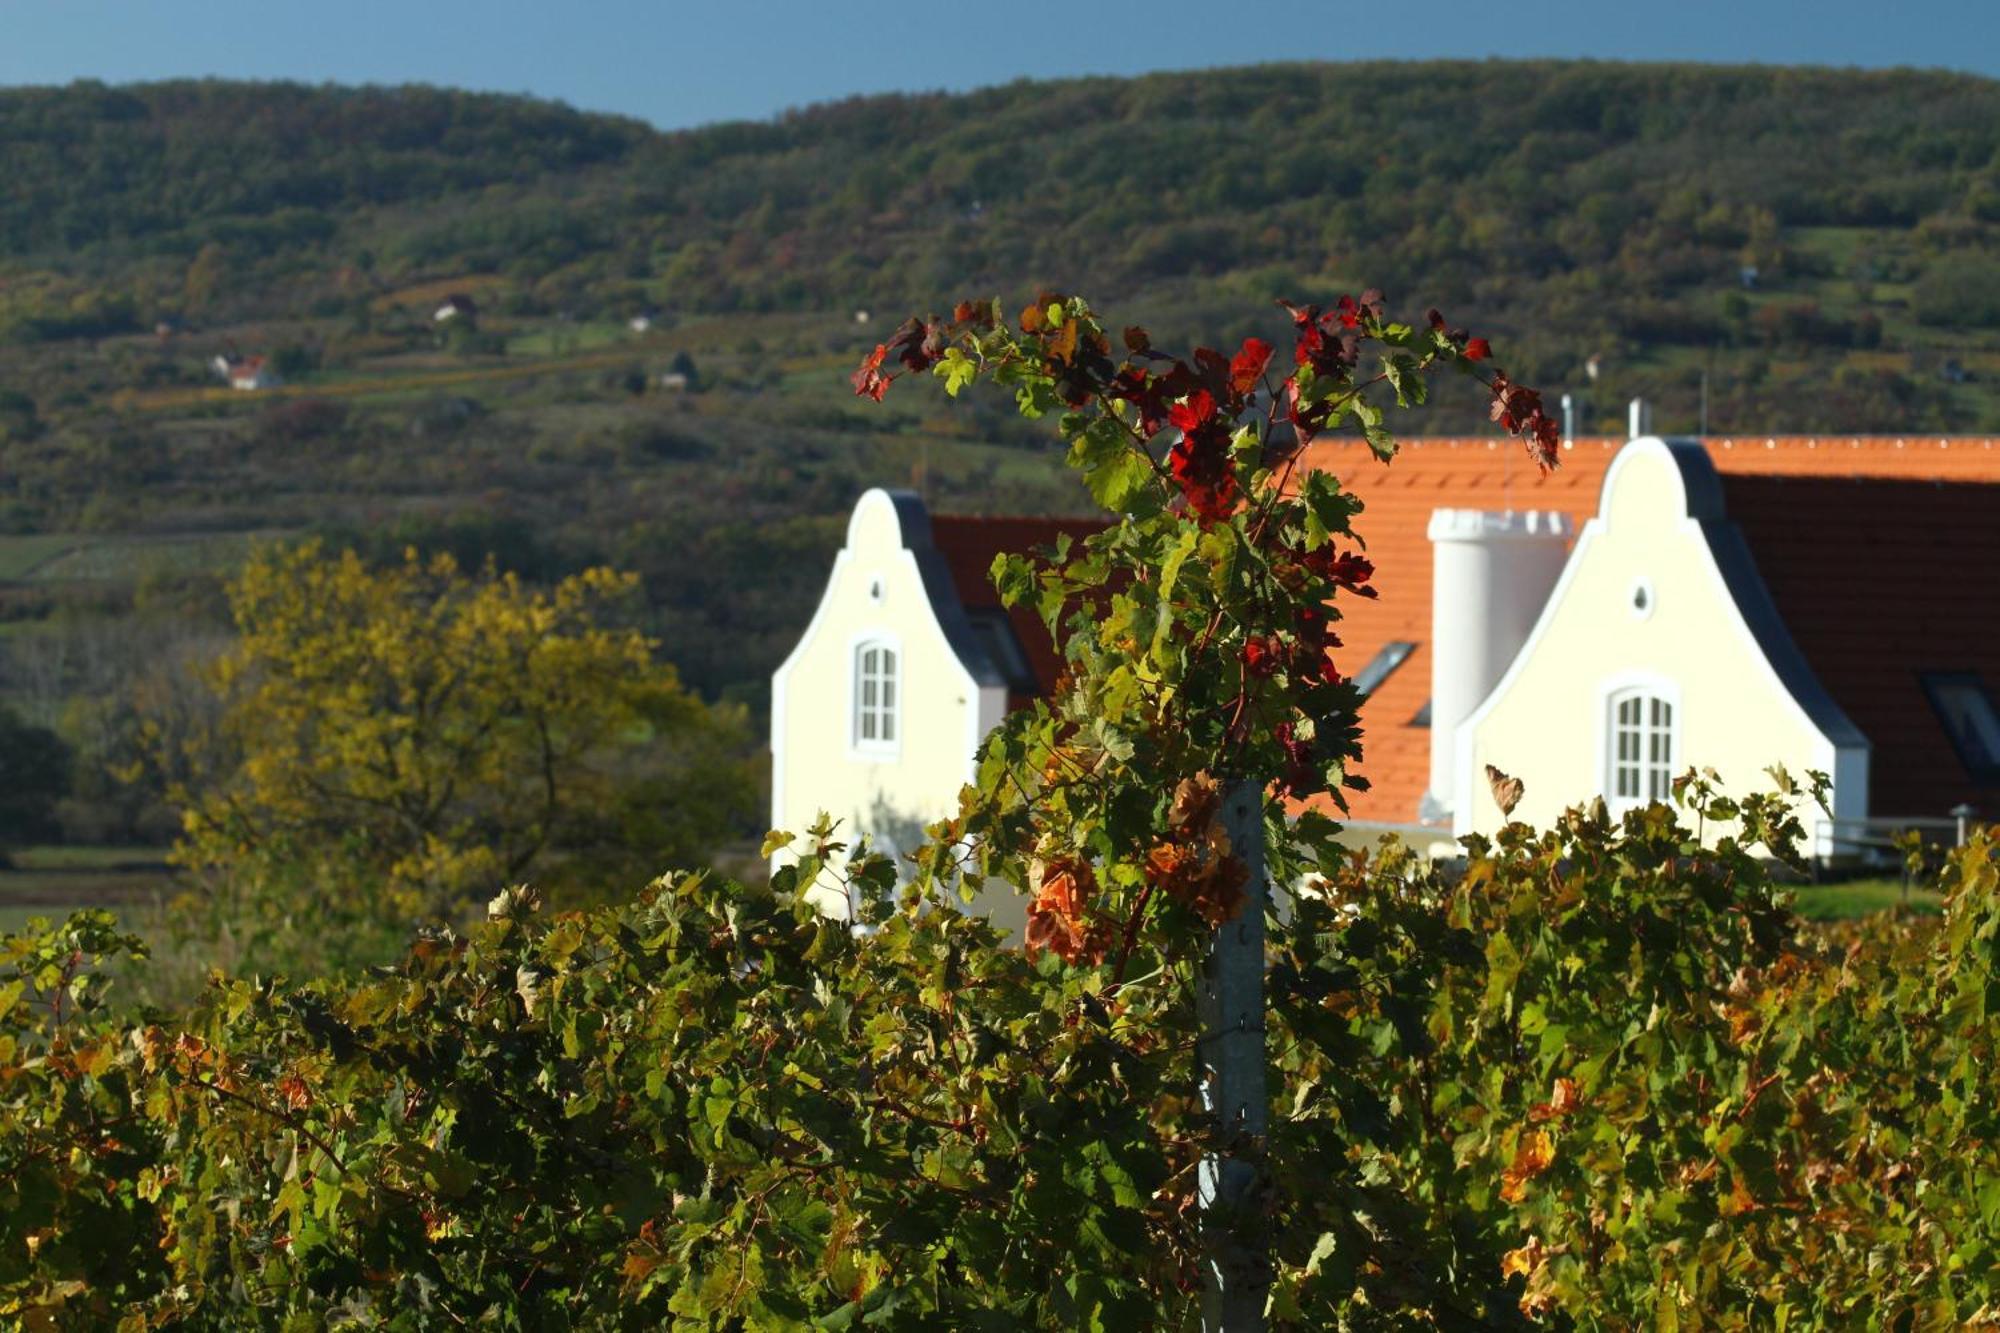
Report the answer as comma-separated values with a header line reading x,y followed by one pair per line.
x,y
1573,208
162,168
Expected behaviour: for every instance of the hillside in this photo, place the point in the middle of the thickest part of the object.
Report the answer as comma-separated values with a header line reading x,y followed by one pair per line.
x,y
1572,208
1814,247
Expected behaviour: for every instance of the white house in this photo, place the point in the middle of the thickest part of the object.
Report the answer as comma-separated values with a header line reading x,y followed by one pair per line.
x,y
907,663
247,373
456,305
1828,604
1662,640
1661,604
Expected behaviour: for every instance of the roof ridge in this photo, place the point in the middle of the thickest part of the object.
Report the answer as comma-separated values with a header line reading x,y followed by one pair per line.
x,y
1099,519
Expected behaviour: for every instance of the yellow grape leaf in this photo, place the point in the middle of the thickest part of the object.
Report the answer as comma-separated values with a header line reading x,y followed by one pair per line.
x,y
1532,1156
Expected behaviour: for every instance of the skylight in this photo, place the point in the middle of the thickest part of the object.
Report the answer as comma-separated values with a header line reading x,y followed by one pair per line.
x,y
1370,678
1965,708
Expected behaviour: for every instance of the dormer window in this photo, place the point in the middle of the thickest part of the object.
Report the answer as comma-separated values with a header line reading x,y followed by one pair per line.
x,y
876,697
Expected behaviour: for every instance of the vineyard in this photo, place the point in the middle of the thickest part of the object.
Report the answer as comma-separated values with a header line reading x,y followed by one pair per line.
x,y
1598,1075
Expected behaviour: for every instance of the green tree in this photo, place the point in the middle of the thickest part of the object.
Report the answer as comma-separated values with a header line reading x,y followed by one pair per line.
x,y
35,772
395,743
207,276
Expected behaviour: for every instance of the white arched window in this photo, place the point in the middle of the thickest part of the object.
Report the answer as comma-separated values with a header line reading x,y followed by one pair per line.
x,y
877,693
1641,743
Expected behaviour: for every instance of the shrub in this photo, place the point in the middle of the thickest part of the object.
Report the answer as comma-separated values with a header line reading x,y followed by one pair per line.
x,y
1600,1075
1959,291
394,744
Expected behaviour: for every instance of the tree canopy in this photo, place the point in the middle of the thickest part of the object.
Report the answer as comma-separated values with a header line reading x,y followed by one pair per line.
x,y
394,743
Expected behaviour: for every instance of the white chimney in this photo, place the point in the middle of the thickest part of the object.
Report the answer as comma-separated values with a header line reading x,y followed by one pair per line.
x,y
1639,419
1491,574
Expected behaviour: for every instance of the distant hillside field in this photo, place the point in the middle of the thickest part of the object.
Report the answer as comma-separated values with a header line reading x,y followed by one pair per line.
x,y
652,370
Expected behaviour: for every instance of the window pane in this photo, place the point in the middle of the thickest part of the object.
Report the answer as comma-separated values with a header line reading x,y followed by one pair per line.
x,y
1628,782
867,725
888,726
1628,712
889,692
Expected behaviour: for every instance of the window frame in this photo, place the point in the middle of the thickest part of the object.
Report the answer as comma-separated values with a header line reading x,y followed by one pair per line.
x,y
878,747
1654,776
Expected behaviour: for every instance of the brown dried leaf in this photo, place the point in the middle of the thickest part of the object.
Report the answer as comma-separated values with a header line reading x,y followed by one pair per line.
x,y
1507,792
1196,802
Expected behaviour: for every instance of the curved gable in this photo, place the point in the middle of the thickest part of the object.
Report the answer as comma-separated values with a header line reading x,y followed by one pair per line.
x,y
900,517
1703,501
1662,596
889,587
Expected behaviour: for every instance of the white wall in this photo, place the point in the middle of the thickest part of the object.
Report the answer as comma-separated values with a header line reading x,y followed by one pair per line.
x,y
877,590
1706,638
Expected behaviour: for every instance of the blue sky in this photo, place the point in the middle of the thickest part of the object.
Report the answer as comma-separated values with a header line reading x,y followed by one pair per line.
x,y
678,64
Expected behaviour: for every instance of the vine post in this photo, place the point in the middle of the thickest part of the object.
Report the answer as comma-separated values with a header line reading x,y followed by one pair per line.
x,y
1236,1269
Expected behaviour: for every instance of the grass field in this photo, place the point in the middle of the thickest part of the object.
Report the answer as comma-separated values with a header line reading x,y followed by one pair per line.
x,y
21,555
428,296
362,386
52,882
1857,898
65,877
99,558
568,339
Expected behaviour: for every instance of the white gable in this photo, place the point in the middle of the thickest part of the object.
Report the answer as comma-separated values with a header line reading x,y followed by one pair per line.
x,y
1659,602
888,594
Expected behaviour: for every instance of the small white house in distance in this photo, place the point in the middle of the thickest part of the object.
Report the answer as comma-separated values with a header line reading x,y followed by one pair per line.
x,y
907,663
246,373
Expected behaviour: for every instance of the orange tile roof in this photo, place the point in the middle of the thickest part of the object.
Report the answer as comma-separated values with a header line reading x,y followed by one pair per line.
x,y
1494,473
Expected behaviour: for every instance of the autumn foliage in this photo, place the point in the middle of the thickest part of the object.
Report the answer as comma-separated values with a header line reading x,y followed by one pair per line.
x,y
1201,628
392,744
1596,1075
1600,1077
